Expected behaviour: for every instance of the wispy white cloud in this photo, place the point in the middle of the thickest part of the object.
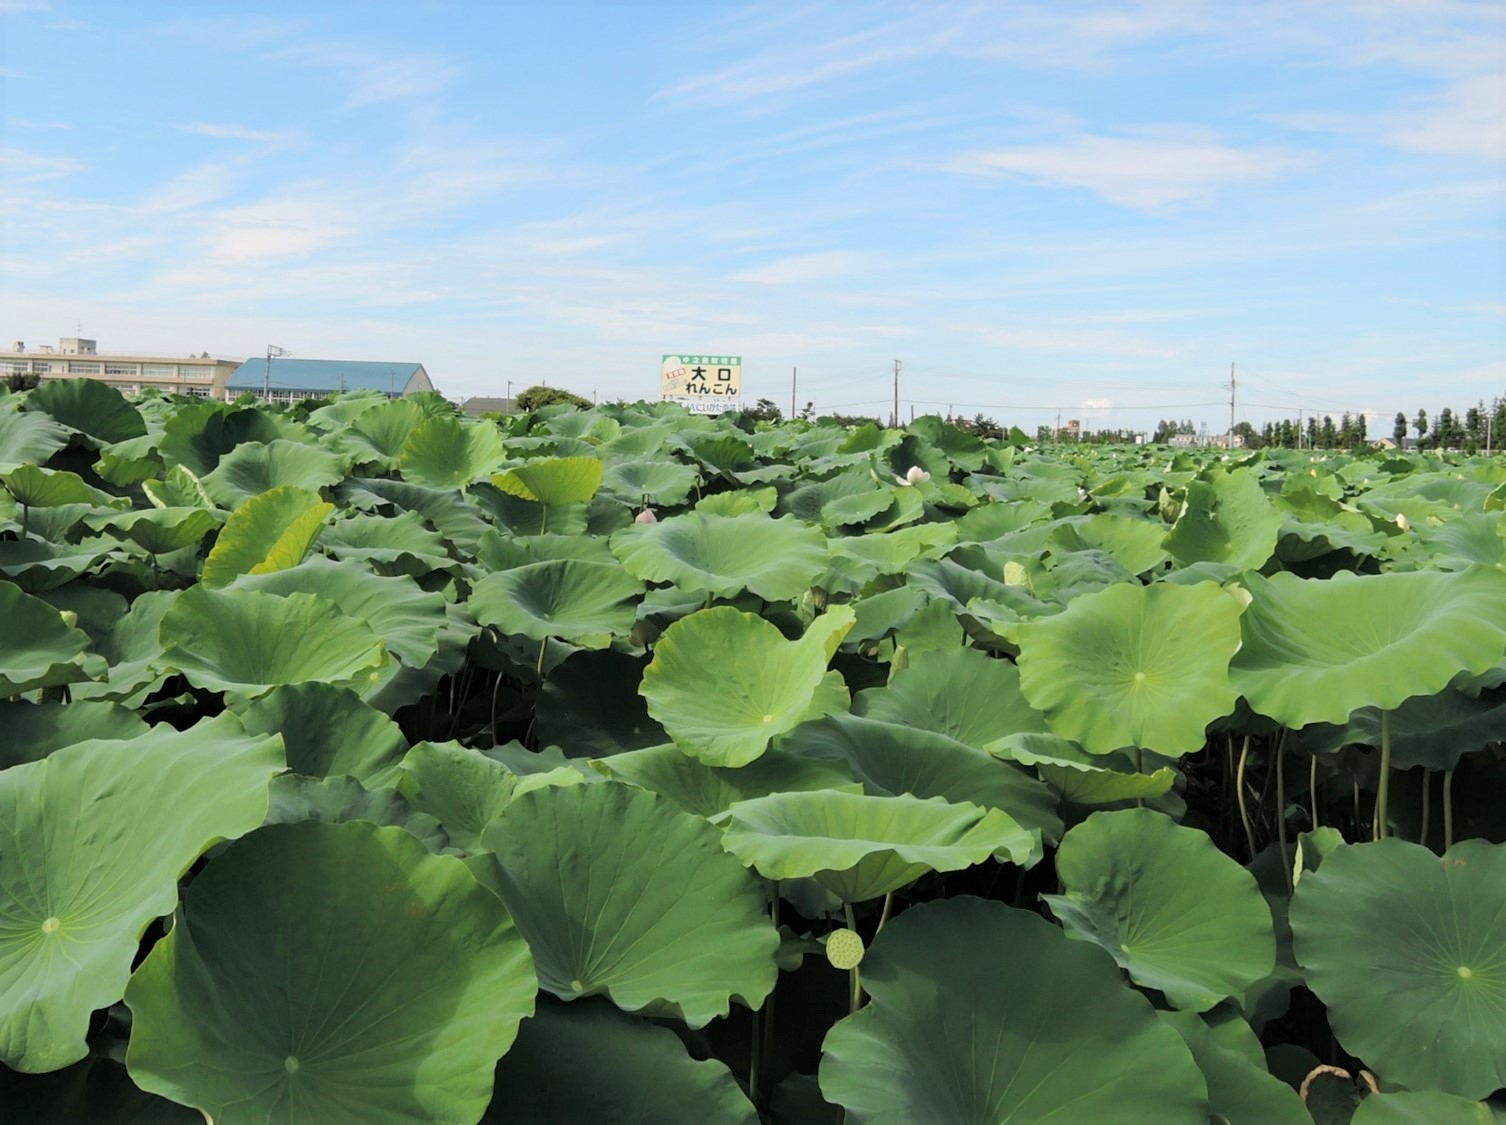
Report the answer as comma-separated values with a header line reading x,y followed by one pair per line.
x,y
1146,172
805,267
11,74
9,7
232,132
190,189
22,167
374,76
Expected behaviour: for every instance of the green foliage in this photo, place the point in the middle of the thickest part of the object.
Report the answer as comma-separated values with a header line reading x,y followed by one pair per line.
x,y
539,396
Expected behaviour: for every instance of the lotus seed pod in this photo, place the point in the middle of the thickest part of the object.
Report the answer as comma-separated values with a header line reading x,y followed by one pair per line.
x,y
844,949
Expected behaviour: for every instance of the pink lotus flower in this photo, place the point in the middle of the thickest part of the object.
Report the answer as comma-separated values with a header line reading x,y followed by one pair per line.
x,y
646,516
914,476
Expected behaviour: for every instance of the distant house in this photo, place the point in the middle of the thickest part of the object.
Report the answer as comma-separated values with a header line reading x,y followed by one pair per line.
x,y
293,380
481,405
1382,443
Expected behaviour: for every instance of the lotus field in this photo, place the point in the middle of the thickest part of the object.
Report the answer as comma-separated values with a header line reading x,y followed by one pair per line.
x,y
364,763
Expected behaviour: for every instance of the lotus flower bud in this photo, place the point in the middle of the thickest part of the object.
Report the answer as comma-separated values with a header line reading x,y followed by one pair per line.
x,y
646,516
914,476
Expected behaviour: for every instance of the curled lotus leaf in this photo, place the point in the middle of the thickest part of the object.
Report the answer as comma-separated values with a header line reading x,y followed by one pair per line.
x,y
254,467
860,847
1226,520
619,892
949,1038
725,555
27,437
89,406
41,649
1133,665
158,530
87,860
709,791
246,641
962,693
724,683
398,983
269,532
328,731
1390,919
1241,1091
1317,650
1175,912
553,480
1424,1107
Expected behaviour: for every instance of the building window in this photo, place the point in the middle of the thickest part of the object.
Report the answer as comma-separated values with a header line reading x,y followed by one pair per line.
x,y
157,370
15,367
120,369
76,368
40,367
195,372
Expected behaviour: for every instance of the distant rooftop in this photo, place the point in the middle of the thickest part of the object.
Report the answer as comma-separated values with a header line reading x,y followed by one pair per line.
x,y
330,376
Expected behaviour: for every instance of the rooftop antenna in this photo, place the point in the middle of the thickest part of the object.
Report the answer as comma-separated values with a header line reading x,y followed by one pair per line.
x,y
266,379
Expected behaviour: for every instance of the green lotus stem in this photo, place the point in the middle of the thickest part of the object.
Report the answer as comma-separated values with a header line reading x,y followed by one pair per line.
x,y
1312,791
1422,836
1383,791
1448,809
1286,860
856,1000
884,916
1239,790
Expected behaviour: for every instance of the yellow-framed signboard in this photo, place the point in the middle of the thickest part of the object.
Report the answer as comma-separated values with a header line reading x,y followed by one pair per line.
x,y
683,375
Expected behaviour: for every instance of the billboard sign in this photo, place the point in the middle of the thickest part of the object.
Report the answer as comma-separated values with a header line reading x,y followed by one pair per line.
x,y
685,376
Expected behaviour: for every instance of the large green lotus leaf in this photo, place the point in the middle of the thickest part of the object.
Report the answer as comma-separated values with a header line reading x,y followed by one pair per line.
x,y
1424,1107
178,488
253,468
891,552
1316,650
723,683
1133,665
444,452
272,531
1226,520
590,705
964,694
52,488
891,759
1241,1091
129,462
880,615
346,407
1434,731
406,617
660,482
1408,951
625,1069
619,892
1136,544
93,840
725,555
465,790
37,566
198,435
88,405
335,974
133,649
452,515
1176,913
247,641
158,530
401,544
1079,777
860,847
35,730
294,798
377,435
328,731
553,480
585,602
500,551
985,1014
709,791
41,649
28,438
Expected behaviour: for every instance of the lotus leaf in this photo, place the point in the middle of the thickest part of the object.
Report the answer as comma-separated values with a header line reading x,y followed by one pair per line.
x,y
723,683
132,649
1240,1089
252,468
87,859
178,488
1389,921
246,641
159,530
553,480
1133,666
329,732
1226,520
629,1070
950,1039
1427,1107
964,694
709,791
377,434
585,602
35,730
444,452
725,555
860,847
48,488
619,892
198,435
273,531
1175,912
89,406
27,437
400,545
336,800
331,973
1318,650
41,649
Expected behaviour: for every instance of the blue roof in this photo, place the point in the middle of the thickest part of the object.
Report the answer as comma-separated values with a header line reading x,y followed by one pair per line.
x,y
330,375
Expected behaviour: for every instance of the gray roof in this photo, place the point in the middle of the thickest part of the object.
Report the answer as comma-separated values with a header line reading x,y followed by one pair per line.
x,y
483,405
330,375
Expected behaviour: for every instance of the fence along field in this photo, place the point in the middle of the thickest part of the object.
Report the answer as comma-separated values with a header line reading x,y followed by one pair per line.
x,y
363,762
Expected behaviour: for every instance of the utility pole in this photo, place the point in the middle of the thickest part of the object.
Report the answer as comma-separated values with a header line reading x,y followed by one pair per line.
x,y
794,382
1299,428
266,379
895,423
1231,401
509,396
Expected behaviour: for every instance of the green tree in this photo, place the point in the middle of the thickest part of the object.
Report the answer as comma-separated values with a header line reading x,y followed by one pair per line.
x,y
1399,430
539,396
764,410
1420,423
22,380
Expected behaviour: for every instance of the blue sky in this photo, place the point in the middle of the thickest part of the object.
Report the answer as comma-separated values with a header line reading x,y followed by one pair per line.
x,y
1091,208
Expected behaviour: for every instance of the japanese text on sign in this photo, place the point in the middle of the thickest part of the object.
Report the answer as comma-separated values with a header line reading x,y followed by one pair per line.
x,y
691,376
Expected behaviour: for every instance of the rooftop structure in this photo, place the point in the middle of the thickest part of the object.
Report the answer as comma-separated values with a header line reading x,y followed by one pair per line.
x,y
77,358
484,405
281,379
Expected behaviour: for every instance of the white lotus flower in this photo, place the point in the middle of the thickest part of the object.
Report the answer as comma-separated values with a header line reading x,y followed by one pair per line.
x,y
914,476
